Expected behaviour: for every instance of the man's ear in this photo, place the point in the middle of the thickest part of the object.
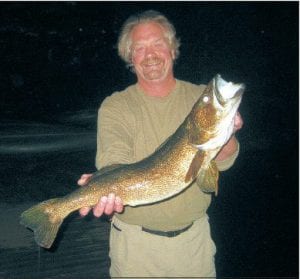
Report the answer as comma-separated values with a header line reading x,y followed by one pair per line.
x,y
173,54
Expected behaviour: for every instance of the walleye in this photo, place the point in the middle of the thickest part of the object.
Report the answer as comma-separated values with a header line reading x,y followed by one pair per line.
x,y
186,155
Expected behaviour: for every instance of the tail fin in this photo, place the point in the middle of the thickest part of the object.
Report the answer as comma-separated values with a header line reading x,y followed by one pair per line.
x,y
44,220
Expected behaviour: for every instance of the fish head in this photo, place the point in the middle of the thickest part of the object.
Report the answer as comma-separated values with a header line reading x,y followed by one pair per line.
x,y
212,117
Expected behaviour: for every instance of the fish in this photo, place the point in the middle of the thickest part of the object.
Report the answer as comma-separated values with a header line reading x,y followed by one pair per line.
x,y
186,155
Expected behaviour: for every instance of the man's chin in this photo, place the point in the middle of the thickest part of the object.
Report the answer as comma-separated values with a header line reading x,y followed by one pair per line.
x,y
154,76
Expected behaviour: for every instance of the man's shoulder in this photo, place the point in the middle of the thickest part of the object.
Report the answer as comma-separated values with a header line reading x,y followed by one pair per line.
x,y
119,98
192,88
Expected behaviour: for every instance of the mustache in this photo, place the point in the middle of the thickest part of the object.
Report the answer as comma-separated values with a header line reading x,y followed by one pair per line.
x,y
151,61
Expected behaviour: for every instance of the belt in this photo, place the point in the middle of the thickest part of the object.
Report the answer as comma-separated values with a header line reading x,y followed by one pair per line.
x,y
167,234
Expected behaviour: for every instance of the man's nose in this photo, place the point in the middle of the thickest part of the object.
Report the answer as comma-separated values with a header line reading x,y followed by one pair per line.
x,y
150,51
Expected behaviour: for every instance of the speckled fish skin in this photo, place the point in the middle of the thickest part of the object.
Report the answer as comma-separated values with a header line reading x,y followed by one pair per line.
x,y
187,154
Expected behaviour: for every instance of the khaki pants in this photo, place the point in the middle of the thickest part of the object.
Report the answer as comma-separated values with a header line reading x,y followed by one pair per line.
x,y
135,253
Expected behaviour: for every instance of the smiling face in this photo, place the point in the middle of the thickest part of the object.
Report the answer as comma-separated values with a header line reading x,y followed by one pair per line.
x,y
152,55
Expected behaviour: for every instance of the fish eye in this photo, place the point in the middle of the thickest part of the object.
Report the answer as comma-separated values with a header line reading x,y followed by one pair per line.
x,y
205,99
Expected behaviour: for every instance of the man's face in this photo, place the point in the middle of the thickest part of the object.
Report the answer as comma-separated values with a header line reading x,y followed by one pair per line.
x,y
152,56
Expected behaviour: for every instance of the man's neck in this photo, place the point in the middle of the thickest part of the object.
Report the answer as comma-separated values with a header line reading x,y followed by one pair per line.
x,y
158,89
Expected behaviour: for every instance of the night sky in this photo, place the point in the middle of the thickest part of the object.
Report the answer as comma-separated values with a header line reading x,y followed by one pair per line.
x,y
59,61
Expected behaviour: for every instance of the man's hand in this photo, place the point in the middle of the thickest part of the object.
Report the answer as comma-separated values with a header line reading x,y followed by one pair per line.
x,y
106,205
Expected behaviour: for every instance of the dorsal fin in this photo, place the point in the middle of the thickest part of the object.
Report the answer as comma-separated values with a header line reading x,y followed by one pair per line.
x,y
195,166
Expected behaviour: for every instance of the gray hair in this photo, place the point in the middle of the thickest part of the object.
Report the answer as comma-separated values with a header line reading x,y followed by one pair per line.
x,y
124,41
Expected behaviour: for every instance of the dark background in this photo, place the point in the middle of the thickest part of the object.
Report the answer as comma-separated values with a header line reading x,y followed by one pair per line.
x,y
59,61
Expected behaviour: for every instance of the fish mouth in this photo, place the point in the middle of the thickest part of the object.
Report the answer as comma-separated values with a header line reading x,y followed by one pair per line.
x,y
228,92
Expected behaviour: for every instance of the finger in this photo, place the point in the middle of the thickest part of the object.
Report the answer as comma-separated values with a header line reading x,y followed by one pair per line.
x,y
119,205
239,117
238,122
83,180
84,211
99,207
109,208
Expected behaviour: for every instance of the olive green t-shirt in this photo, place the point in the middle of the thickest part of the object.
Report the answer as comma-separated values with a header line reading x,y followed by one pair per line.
x,y
131,125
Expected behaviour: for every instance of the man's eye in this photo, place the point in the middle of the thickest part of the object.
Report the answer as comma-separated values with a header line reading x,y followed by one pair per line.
x,y
159,44
138,49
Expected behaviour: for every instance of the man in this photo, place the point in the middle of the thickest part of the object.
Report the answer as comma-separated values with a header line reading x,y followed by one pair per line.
x,y
169,238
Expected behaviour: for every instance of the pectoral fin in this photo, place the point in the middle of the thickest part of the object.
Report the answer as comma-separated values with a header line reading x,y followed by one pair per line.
x,y
208,178
194,167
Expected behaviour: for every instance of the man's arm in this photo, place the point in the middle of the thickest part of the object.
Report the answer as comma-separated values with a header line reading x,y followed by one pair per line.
x,y
113,146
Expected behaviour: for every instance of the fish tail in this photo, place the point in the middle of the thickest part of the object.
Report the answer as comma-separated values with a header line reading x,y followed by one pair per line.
x,y
44,219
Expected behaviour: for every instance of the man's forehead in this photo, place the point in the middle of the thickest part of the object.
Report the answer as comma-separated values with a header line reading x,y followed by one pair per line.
x,y
146,31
